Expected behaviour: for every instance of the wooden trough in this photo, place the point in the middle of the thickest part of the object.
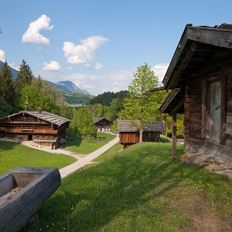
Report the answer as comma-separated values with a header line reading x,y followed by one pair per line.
x,y
22,192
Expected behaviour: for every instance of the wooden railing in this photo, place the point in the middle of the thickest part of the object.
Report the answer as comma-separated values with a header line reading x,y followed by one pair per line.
x,y
27,130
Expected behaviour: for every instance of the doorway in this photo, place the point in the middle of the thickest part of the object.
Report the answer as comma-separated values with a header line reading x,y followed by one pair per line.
x,y
214,110
30,137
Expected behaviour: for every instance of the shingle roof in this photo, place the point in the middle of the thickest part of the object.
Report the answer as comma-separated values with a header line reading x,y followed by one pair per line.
x,y
128,125
154,127
96,120
43,115
133,126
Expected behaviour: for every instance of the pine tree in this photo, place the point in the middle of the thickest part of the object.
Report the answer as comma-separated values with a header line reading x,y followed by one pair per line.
x,y
7,89
24,77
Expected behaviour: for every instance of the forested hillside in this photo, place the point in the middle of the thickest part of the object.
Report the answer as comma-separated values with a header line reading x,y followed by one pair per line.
x,y
106,98
26,92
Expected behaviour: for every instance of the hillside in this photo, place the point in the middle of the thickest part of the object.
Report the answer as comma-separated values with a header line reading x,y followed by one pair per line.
x,y
72,94
141,188
77,98
106,98
13,71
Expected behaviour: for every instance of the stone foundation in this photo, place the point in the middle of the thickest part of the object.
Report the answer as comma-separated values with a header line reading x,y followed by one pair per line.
x,y
214,157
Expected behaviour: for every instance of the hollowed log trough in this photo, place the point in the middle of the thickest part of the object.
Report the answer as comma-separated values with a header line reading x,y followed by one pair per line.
x,y
22,192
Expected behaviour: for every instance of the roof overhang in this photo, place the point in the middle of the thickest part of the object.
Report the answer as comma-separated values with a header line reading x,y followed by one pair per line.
x,y
197,44
174,103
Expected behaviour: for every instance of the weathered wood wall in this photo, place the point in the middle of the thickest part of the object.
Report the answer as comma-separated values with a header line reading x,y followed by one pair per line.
x,y
151,136
195,108
129,137
228,131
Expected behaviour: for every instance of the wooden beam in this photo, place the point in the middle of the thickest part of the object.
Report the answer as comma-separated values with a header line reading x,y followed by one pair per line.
x,y
177,107
183,64
174,135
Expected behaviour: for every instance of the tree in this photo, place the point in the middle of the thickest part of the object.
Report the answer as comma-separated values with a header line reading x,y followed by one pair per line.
x,y
36,99
7,89
115,107
106,98
141,104
24,76
82,123
97,110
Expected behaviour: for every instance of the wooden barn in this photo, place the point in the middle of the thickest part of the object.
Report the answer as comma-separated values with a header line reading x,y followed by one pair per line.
x,y
200,79
102,124
129,132
41,127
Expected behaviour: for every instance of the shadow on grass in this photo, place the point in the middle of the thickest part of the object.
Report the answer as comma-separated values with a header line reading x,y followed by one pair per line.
x,y
6,145
74,141
91,199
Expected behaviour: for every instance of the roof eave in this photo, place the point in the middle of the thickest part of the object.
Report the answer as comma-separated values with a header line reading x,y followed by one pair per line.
x,y
205,35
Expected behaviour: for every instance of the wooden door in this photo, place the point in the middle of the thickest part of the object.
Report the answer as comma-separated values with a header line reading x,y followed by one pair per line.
x,y
215,107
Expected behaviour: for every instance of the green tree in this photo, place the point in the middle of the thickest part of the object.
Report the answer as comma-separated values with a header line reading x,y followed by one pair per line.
x,y
36,99
97,110
113,110
141,104
24,77
7,89
82,123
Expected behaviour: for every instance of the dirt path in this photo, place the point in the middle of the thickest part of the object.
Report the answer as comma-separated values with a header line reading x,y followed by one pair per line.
x,y
82,160
59,151
87,159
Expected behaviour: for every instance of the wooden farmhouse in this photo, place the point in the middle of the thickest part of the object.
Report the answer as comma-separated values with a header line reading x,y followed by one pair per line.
x,y
42,127
102,124
200,79
129,132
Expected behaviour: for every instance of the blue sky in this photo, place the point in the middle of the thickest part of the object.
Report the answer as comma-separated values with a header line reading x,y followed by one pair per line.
x,y
98,44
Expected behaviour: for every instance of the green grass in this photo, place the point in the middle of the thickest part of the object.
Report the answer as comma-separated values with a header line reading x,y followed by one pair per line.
x,y
85,146
139,189
14,155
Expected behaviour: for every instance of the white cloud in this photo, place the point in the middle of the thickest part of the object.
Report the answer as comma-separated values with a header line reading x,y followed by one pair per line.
x,y
2,55
82,53
51,66
120,79
32,34
160,70
88,87
98,66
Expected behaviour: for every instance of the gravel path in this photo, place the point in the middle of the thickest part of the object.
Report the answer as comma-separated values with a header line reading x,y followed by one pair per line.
x,y
82,160
87,159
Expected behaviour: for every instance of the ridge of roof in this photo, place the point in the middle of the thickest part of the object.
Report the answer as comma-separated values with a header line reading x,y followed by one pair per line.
x,y
43,115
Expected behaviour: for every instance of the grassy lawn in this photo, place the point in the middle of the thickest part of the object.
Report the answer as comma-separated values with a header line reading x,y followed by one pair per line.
x,y
85,146
15,155
140,189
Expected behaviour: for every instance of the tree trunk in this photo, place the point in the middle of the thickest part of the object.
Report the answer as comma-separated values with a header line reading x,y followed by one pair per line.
x,y
141,135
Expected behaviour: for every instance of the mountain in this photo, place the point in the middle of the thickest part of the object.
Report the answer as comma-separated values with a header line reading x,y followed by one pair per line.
x,y
13,71
69,87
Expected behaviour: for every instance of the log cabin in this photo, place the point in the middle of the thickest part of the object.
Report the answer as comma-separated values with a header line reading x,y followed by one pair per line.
x,y
129,132
40,127
102,124
200,80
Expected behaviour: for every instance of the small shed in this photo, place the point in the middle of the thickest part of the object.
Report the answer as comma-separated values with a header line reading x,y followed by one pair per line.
x,y
200,80
102,124
152,131
129,132
40,127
